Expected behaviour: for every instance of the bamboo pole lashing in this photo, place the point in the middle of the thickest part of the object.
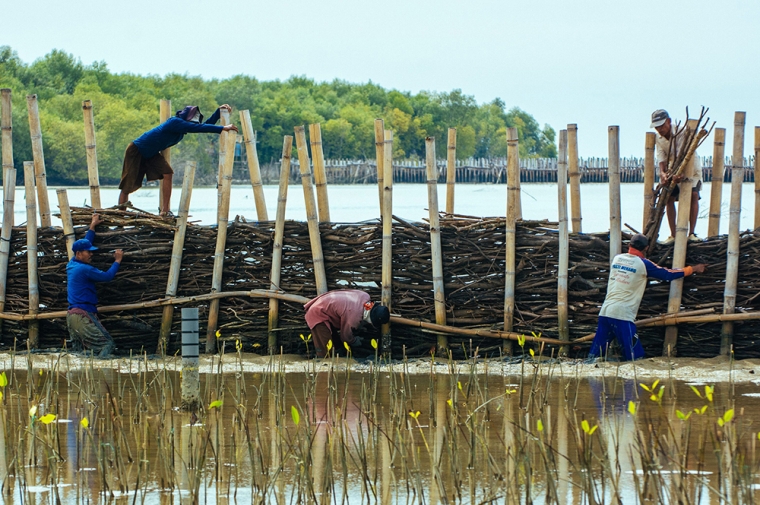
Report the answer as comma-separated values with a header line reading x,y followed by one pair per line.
x,y
649,146
311,211
320,177
379,149
31,253
228,139
176,262
90,145
68,224
716,191
734,219
164,113
254,169
387,253
669,347
510,241
279,233
451,169
38,155
575,178
439,296
564,253
613,174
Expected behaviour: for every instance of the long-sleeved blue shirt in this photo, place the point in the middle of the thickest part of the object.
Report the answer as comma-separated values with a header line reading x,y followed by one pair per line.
x,y
81,281
171,131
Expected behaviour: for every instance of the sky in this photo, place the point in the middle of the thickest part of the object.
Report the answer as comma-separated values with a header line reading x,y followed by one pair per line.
x,y
593,63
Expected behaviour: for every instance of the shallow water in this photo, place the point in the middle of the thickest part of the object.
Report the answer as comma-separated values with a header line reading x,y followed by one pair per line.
x,y
377,436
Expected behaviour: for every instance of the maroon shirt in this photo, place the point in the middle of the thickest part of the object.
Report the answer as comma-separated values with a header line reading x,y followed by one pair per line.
x,y
340,310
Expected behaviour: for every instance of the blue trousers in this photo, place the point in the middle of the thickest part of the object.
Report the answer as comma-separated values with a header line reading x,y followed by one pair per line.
x,y
625,332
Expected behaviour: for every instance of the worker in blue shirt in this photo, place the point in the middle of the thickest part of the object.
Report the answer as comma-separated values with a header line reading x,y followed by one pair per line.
x,y
82,318
143,156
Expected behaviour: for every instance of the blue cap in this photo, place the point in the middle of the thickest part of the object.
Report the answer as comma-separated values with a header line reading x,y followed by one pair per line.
x,y
83,245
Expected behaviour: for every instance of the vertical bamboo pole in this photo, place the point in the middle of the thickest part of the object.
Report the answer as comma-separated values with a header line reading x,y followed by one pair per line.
x,y
92,154
564,256
732,261
451,170
68,223
9,195
713,225
6,127
31,253
38,155
649,144
320,177
387,265
513,190
311,211
575,177
679,258
228,140
176,262
254,169
224,119
379,150
439,296
279,232
616,239
757,177
165,112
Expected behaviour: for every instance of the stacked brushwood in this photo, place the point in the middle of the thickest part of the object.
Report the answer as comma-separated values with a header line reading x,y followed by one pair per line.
x,y
474,265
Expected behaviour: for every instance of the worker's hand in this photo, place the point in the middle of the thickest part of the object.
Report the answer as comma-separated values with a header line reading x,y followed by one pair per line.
x,y
226,107
678,179
230,127
118,255
95,221
699,269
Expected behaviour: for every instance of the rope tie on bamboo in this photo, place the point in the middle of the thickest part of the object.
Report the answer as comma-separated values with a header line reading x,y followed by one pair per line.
x,y
90,146
6,128
38,136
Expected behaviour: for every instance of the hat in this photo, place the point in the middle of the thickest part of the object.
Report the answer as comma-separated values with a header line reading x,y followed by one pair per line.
x,y
379,315
188,112
639,242
83,245
659,117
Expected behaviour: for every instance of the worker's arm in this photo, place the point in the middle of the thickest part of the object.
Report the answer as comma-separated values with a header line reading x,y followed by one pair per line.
x,y
671,274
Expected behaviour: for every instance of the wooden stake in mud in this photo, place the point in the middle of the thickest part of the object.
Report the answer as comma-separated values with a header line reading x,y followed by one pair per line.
x,y
35,130
165,112
732,260
757,177
68,223
435,242
387,265
649,144
311,211
575,177
176,262
92,154
6,127
279,233
254,170
228,140
510,240
320,177
716,193
451,170
31,253
379,149
679,255
564,254
191,383
9,194
616,239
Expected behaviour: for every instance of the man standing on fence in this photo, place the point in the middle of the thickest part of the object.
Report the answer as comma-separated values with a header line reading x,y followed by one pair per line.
x,y
625,289
344,310
143,157
665,136
87,334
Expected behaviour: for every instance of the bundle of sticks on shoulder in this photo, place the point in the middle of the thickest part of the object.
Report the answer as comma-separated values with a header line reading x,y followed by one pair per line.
x,y
685,138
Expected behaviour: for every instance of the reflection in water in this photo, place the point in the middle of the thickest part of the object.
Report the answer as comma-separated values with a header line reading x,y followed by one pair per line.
x,y
377,437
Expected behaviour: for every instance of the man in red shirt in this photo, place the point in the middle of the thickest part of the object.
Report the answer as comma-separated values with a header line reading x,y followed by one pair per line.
x,y
343,311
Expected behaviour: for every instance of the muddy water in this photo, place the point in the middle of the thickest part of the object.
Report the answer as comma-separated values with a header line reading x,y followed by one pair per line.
x,y
378,436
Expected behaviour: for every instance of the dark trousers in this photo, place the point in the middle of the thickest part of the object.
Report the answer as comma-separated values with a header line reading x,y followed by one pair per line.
x,y
625,333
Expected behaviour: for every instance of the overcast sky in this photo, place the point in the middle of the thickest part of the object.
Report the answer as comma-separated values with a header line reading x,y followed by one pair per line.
x,y
594,63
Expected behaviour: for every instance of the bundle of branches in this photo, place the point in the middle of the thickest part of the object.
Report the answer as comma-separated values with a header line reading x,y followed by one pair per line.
x,y
684,141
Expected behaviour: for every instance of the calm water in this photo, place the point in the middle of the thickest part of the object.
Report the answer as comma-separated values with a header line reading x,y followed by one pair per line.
x,y
377,437
353,203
